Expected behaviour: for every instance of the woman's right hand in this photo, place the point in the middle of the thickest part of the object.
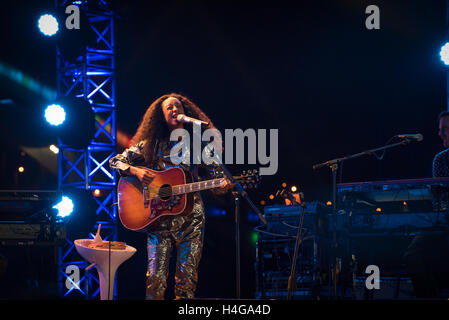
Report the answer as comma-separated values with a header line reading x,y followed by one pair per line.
x,y
144,175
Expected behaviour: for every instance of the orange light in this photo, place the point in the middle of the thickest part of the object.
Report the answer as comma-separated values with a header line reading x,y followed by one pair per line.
x,y
21,169
97,192
262,202
294,189
329,203
378,209
404,203
271,197
295,196
284,184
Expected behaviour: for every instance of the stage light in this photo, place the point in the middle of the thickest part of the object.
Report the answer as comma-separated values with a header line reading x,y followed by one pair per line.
x,y
378,210
21,169
54,149
71,119
55,114
97,192
294,189
284,184
262,203
271,197
254,237
6,101
65,207
215,212
48,25
444,53
26,81
329,203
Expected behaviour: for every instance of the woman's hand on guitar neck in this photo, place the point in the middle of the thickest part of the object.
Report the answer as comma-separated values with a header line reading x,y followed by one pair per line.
x,y
226,184
144,175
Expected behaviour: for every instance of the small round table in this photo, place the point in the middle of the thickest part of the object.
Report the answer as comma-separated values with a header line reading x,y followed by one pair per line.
x,y
100,257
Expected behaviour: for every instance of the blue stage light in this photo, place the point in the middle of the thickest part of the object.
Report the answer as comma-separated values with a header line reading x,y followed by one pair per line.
x,y
48,25
65,207
55,114
215,212
444,53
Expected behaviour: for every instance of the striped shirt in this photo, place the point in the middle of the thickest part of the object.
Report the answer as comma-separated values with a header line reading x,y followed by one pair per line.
x,y
440,166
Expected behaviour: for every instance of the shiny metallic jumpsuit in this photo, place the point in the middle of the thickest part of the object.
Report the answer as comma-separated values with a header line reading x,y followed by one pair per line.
x,y
183,231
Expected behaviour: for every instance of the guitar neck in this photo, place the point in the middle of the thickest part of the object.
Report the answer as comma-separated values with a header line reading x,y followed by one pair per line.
x,y
196,186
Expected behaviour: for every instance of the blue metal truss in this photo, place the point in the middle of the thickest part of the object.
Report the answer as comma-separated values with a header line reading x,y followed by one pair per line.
x,y
91,76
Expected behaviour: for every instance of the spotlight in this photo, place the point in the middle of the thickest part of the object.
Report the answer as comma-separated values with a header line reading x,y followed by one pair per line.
x,y
48,25
215,212
294,189
54,149
97,192
444,53
55,114
65,207
284,184
21,169
271,197
71,119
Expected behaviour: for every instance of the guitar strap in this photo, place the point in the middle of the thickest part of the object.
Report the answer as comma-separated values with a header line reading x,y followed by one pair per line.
x,y
163,163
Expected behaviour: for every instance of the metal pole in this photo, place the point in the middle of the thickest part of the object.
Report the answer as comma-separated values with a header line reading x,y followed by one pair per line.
x,y
237,242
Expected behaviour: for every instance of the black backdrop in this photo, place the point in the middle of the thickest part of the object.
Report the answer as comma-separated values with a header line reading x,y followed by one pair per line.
x,y
309,69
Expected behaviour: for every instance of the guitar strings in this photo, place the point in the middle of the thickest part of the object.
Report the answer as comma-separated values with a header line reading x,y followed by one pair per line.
x,y
168,191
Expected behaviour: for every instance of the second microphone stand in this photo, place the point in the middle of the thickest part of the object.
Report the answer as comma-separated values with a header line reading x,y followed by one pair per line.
x,y
238,193
292,278
334,165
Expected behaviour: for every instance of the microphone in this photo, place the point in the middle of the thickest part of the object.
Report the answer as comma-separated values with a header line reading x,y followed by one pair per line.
x,y
186,119
417,137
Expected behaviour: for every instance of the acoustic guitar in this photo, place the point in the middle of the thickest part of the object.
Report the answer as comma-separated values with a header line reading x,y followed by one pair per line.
x,y
170,193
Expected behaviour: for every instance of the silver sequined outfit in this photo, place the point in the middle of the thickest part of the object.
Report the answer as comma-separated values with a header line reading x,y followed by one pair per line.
x,y
183,231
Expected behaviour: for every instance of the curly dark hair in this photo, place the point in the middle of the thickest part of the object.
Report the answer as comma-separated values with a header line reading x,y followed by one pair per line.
x,y
153,127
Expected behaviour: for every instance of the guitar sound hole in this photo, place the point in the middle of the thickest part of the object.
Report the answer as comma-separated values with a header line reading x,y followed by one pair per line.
x,y
165,192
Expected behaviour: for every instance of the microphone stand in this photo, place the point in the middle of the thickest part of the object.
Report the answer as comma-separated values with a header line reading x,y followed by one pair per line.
x,y
291,278
238,193
333,165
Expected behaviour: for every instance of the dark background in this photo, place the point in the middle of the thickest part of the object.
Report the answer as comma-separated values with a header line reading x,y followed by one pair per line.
x,y
309,69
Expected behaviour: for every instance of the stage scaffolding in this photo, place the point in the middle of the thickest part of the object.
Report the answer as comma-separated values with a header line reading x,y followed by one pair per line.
x,y
90,76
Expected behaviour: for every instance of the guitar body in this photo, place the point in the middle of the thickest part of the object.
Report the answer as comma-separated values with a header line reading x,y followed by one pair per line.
x,y
139,208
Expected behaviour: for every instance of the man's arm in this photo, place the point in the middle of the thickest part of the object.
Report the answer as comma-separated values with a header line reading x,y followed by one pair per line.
x,y
440,166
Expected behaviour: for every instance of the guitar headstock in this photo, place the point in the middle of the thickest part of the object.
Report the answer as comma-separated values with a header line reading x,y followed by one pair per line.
x,y
249,179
